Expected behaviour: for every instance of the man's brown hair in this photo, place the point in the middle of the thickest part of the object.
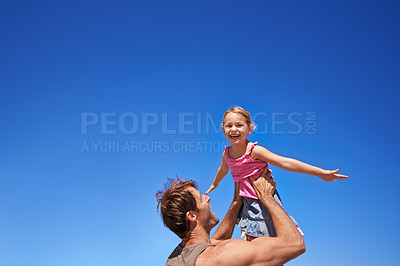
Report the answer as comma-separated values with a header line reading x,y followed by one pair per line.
x,y
175,201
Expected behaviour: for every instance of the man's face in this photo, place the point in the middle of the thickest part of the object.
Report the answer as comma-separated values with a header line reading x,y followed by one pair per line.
x,y
207,218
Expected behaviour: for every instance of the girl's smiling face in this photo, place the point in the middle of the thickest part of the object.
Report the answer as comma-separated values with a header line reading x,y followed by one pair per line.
x,y
235,128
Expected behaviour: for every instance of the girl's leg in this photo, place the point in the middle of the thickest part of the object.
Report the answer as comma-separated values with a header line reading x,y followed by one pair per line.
x,y
250,238
247,237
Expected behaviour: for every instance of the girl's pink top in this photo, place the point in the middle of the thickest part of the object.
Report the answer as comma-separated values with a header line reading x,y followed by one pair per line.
x,y
244,167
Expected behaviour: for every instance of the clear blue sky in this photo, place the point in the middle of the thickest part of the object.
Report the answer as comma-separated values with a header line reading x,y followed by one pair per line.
x,y
167,70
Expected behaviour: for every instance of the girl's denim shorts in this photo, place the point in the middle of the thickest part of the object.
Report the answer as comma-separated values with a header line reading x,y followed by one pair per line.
x,y
255,220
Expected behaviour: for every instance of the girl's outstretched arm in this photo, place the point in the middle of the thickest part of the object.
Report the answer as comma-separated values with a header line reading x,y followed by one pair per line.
x,y
261,153
221,173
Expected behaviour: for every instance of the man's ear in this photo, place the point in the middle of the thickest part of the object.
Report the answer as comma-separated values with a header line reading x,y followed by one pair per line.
x,y
191,216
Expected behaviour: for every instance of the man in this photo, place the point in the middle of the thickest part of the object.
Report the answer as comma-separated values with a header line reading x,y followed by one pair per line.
x,y
187,213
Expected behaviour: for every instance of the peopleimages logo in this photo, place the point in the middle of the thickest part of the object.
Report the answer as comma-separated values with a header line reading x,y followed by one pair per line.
x,y
182,124
131,123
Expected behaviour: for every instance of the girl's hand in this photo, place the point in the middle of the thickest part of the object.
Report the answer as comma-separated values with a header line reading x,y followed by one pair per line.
x,y
331,175
212,187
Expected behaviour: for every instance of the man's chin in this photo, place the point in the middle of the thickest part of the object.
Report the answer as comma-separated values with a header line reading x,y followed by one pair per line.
x,y
216,220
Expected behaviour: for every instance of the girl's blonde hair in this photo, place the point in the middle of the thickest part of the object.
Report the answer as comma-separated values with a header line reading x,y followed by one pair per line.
x,y
243,113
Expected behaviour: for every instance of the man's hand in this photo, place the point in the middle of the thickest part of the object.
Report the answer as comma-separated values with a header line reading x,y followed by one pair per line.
x,y
331,175
265,184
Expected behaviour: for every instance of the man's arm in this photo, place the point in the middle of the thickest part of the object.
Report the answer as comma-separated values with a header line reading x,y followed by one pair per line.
x,y
287,245
225,229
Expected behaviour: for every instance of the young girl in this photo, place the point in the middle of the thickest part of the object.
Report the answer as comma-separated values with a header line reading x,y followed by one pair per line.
x,y
246,159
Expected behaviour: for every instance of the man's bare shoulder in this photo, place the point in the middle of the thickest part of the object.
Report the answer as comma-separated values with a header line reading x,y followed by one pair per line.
x,y
227,252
